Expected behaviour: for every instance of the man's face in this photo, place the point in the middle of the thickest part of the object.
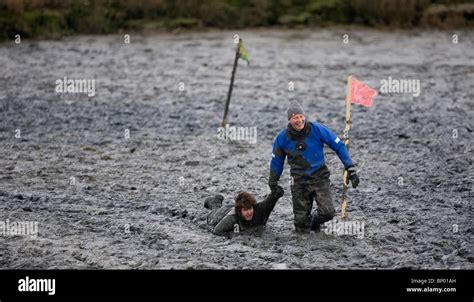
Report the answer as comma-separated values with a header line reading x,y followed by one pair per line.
x,y
297,122
247,214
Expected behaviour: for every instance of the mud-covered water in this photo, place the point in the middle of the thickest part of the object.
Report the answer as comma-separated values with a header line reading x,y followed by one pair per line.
x,y
103,200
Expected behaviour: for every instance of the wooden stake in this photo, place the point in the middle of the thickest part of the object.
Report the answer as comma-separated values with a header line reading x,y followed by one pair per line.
x,y
345,180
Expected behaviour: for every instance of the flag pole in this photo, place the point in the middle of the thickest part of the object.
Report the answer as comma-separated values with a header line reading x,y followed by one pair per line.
x,y
345,183
229,93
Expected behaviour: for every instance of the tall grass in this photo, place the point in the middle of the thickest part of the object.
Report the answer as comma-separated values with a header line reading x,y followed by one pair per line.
x,y
52,18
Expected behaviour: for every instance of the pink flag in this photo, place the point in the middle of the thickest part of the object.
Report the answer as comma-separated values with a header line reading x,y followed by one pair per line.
x,y
361,93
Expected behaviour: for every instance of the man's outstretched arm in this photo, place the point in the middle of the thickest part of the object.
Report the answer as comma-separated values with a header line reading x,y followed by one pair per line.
x,y
276,164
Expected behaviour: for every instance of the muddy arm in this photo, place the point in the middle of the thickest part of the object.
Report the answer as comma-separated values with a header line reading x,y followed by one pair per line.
x,y
277,162
270,201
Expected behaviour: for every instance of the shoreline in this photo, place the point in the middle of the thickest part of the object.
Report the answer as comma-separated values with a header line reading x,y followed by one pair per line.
x,y
270,29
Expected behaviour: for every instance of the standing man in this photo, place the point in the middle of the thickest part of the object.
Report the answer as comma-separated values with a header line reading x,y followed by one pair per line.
x,y
302,142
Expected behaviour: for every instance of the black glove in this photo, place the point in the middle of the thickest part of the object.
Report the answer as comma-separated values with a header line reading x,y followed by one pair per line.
x,y
273,186
278,191
352,175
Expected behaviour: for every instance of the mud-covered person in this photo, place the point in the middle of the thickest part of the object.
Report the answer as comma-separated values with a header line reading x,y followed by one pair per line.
x,y
302,143
244,216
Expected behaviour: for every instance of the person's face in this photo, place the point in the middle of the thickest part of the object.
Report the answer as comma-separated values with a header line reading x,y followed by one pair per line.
x,y
297,122
247,214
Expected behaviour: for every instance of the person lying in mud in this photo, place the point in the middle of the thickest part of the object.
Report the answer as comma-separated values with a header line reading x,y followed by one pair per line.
x,y
244,216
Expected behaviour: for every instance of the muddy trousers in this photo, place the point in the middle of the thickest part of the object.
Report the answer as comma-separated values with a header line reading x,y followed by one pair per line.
x,y
303,196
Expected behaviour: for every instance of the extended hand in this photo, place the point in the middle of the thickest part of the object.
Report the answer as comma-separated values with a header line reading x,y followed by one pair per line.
x,y
353,177
278,191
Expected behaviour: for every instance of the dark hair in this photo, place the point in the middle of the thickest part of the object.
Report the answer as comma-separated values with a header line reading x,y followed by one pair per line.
x,y
244,200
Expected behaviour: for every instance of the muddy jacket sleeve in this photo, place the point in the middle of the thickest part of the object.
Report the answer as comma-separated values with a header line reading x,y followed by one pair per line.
x,y
278,159
226,225
335,143
266,207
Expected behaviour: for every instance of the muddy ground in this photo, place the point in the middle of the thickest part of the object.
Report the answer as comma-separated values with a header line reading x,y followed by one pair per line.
x,y
105,200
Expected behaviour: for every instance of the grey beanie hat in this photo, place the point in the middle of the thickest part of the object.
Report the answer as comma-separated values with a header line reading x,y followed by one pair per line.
x,y
294,109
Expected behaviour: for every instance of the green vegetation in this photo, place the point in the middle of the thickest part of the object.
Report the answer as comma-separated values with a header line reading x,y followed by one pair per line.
x,y
55,18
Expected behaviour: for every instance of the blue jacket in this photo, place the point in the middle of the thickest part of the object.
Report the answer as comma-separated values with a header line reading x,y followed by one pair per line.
x,y
310,156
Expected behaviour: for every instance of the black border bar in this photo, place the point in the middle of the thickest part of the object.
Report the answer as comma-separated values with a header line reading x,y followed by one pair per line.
x,y
367,283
